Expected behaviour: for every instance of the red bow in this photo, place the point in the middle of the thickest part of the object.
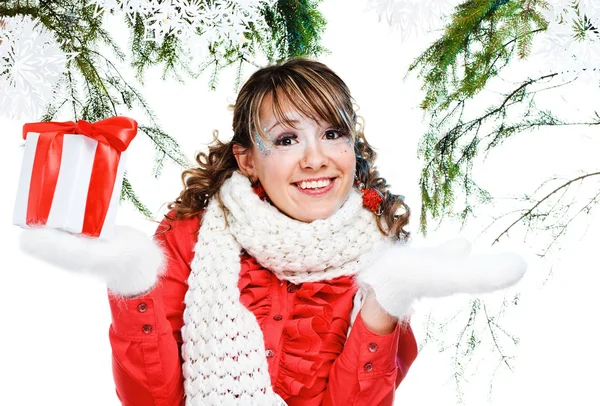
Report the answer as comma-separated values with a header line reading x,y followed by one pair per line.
x,y
116,131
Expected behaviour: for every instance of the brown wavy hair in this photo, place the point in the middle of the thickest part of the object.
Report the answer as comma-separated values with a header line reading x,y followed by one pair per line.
x,y
313,90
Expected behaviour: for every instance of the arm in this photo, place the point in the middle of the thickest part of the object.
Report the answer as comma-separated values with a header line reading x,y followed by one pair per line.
x,y
371,366
145,333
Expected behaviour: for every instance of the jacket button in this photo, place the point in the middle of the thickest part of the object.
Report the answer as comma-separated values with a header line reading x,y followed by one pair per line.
x,y
142,307
292,288
278,317
147,328
269,353
368,367
373,347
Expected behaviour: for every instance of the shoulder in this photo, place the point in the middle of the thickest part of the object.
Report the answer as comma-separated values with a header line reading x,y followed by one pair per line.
x,y
178,235
172,226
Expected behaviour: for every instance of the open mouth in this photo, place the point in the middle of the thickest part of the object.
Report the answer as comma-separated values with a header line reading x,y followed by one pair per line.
x,y
315,187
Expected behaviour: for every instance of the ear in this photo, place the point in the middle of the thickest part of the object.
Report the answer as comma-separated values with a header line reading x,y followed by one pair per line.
x,y
245,160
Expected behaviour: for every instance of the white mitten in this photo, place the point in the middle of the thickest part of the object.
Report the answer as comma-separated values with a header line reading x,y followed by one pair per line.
x,y
401,274
129,263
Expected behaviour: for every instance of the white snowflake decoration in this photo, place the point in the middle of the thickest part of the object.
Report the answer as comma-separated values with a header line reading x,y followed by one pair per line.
x,y
414,17
163,20
222,23
562,49
32,63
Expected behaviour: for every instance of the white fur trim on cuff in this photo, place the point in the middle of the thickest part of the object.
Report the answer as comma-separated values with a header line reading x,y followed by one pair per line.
x,y
129,263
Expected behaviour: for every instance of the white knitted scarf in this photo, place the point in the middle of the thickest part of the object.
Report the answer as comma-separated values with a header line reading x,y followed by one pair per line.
x,y
223,345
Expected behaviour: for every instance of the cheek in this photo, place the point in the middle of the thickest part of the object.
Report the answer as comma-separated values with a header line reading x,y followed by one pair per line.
x,y
274,169
348,158
347,164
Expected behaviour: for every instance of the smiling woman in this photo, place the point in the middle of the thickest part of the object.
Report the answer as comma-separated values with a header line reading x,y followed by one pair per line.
x,y
296,123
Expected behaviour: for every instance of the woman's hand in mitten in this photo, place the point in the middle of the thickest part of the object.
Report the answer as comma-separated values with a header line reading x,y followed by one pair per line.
x,y
402,274
129,263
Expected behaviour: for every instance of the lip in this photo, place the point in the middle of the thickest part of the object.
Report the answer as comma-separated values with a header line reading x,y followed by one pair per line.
x,y
316,192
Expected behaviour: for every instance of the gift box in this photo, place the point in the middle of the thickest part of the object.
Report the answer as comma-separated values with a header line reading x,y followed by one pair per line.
x,y
72,175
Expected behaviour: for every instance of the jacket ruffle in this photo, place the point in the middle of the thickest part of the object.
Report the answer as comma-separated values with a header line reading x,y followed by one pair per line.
x,y
313,335
255,288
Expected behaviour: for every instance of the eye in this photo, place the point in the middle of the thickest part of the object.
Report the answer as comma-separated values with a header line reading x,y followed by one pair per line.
x,y
334,134
286,140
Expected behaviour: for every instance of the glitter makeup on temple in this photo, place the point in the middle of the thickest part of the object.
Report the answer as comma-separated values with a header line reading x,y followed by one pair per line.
x,y
350,141
261,145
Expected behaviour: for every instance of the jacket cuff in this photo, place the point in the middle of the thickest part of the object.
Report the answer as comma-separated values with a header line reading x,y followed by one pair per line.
x,y
137,318
368,353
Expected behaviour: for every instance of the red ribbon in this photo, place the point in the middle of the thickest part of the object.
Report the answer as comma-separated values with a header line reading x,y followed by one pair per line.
x,y
113,135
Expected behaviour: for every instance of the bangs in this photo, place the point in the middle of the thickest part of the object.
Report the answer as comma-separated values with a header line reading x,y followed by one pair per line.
x,y
312,96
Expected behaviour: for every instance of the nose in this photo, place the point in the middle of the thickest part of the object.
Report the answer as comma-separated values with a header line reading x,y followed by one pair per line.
x,y
314,157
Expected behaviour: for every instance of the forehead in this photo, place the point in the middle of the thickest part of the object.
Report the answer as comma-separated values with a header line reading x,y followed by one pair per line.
x,y
284,112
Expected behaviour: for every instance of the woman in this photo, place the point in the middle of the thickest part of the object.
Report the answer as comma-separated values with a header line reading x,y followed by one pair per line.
x,y
285,278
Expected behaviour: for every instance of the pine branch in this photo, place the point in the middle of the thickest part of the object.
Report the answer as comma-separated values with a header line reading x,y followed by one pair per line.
x,y
491,327
529,212
296,29
447,160
475,46
165,145
128,194
138,97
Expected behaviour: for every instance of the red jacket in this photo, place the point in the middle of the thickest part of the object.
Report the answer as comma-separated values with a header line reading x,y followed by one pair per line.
x,y
304,326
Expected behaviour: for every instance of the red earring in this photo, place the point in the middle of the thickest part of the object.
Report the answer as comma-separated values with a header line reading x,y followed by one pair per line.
x,y
371,198
259,190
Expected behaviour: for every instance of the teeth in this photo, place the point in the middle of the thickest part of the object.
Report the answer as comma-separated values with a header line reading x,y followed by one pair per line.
x,y
314,184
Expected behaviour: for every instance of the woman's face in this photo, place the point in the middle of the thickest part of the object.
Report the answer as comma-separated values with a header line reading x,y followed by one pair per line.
x,y
306,170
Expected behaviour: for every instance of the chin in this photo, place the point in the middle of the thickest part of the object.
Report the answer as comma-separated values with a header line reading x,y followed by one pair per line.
x,y
309,217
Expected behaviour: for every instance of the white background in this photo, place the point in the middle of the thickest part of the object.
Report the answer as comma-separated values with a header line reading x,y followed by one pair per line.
x,y
54,345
